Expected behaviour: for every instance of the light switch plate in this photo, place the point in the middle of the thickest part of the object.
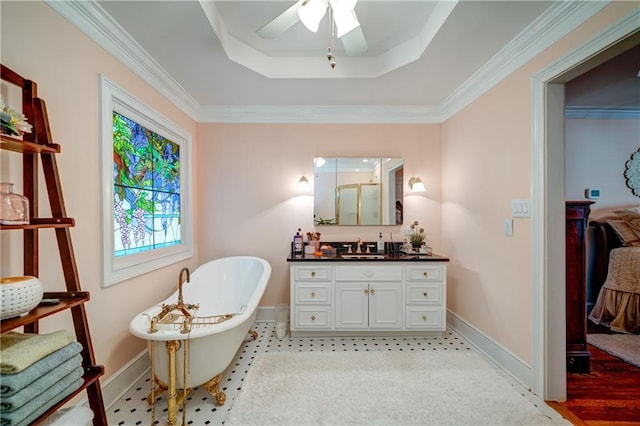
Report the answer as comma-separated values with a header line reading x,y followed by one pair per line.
x,y
521,208
508,227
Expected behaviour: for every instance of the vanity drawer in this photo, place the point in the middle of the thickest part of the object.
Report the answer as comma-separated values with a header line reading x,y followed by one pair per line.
x,y
313,317
313,273
313,293
424,273
423,294
368,273
423,317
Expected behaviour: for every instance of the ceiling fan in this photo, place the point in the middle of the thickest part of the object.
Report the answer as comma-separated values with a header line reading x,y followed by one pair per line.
x,y
311,12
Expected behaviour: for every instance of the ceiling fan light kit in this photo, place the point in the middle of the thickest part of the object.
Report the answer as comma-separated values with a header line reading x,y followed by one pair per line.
x,y
342,21
311,13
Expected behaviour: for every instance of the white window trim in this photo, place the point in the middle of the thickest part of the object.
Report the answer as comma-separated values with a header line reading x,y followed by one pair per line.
x,y
121,268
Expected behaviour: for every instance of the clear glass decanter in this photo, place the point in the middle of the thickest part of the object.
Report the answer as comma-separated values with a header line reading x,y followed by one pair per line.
x,y
14,208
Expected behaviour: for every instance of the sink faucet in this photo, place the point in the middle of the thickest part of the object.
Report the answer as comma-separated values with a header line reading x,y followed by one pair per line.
x,y
359,243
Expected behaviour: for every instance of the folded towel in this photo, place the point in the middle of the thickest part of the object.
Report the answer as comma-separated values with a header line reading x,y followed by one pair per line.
x,y
41,403
44,407
26,394
20,350
77,415
12,383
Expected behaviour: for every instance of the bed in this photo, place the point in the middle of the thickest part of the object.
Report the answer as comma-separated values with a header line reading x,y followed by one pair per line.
x,y
615,276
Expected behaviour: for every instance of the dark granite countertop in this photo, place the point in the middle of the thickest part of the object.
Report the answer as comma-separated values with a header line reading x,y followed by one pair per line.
x,y
372,258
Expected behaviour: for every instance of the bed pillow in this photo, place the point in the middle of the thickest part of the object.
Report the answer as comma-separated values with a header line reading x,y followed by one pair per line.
x,y
625,232
632,217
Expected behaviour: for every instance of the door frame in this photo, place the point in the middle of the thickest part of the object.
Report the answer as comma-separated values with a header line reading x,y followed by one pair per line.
x,y
547,207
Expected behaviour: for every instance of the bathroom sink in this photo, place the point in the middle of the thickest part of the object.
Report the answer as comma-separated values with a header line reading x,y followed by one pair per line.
x,y
360,256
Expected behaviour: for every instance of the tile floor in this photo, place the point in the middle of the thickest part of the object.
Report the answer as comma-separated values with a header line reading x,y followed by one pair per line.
x,y
132,408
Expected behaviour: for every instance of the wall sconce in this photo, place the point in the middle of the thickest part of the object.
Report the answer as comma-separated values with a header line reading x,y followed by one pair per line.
x,y
303,184
416,185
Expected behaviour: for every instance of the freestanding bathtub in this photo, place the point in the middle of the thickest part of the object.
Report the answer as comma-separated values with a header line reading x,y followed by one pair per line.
x,y
230,286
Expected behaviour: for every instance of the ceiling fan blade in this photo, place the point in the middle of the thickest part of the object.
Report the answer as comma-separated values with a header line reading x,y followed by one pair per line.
x,y
281,23
354,42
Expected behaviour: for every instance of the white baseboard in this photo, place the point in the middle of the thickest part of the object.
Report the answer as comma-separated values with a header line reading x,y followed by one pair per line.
x,y
116,385
503,357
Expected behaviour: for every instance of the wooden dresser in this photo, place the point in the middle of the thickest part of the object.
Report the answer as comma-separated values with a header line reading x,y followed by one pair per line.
x,y
577,214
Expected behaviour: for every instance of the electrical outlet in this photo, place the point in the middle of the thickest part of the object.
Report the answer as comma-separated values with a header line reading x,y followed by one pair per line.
x,y
407,232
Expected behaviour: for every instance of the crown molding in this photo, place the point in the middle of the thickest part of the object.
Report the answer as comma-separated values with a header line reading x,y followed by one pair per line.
x,y
320,114
613,113
551,26
555,23
90,18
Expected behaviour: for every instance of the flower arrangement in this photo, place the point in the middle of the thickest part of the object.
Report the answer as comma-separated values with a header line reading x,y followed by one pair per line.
x,y
417,234
13,122
313,236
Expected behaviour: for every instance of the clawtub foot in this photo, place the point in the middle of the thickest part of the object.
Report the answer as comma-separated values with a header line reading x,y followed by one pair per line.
x,y
212,386
159,389
182,396
254,335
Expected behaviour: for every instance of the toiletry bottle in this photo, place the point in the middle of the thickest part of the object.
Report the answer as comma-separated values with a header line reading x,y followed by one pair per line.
x,y
380,248
298,245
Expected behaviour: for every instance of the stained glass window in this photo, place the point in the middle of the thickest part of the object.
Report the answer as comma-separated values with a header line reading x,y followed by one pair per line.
x,y
146,188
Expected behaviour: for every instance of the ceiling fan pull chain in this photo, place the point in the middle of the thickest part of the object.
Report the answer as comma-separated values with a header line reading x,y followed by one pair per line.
x,y
330,56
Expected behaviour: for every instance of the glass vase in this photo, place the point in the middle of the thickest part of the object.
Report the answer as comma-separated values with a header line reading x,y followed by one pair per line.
x,y
14,208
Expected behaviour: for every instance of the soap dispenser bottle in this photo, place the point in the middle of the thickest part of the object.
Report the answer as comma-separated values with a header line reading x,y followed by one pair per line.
x,y
380,248
298,245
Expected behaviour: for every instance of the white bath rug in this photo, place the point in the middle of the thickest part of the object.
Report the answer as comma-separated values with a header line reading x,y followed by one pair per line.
x,y
624,346
390,388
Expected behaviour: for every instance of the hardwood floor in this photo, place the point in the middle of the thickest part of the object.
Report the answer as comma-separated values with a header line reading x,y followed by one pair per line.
x,y
608,395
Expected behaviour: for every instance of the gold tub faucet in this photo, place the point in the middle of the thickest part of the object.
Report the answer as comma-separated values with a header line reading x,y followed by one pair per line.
x,y
180,300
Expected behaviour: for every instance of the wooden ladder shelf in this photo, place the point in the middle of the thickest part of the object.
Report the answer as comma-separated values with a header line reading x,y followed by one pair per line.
x,y
37,147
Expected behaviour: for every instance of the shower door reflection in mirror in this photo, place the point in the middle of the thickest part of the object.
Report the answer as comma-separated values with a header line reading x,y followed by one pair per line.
x,y
358,191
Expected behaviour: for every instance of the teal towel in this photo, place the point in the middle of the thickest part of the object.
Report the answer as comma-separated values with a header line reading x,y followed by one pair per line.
x,y
26,394
20,350
12,383
41,403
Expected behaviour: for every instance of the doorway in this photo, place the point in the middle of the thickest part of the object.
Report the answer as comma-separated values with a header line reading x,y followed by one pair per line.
x,y
548,202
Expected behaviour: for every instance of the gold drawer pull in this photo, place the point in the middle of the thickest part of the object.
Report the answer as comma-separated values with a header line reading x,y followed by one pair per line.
x,y
424,318
313,294
372,291
313,273
424,273
425,294
313,317
366,291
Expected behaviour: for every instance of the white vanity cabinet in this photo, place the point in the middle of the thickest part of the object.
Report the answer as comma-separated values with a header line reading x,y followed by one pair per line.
x,y
368,297
424,297
312,297
334,298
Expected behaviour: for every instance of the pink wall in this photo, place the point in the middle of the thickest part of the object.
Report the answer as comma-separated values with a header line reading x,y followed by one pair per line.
x,y
487,163
41,45
247,197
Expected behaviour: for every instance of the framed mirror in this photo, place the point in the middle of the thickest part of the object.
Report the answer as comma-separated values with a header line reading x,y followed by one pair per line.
x,y
358,191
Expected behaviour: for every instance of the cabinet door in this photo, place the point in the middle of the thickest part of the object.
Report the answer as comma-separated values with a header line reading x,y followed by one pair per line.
x,y
352,300
385,305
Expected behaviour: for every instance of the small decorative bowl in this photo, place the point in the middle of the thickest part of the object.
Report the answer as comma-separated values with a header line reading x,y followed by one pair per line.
x,y
19,295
